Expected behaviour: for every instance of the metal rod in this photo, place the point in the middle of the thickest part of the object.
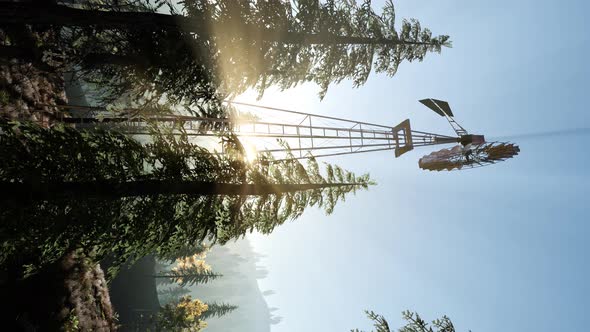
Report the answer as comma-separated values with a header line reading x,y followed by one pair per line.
x,y
301,113
327,147
202,119
361,128
422,132
310,132
336,154
267,135
299,137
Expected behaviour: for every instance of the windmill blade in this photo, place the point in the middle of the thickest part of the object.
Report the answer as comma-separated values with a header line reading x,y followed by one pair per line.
x,y
461,158
441,107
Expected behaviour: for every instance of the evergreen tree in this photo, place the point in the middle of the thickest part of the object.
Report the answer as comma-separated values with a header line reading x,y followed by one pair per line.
x,y
40,231
172,294
186,250
379,322
188,277
218,310
189,271
337,39
184,315
234,45
415,323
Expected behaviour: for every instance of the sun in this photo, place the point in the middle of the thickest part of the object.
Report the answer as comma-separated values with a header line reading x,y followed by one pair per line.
x,y
293,99
251,151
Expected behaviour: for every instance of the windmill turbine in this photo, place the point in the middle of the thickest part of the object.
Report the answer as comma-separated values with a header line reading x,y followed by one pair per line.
x,y
473,151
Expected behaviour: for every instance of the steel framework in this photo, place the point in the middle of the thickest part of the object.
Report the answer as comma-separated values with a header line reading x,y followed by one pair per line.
x,y
306,134
289,134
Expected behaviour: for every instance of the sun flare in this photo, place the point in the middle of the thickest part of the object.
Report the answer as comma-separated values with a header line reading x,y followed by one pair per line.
x,y
251,151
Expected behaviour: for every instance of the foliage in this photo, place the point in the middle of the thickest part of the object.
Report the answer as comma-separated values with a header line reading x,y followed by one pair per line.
x,y
36,233
415,323
188,271
195,262
189,315
171,294
4,97
340,39
223,47
182,316
379,322
148,67
264,43
218,310
199,250
141,65
44,232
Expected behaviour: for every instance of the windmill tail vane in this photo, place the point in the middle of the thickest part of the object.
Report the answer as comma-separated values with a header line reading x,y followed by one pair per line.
x,y
287,134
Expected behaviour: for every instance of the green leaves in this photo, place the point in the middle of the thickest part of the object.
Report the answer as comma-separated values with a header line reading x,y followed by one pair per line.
x,y
232,46
129,227
187,277
379,322
415,323
218,310
347,40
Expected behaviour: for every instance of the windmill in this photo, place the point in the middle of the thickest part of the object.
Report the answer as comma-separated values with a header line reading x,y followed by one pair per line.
x,y
305,135
473,150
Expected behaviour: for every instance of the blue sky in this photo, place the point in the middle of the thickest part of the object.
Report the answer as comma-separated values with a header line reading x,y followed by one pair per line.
x,y
500,248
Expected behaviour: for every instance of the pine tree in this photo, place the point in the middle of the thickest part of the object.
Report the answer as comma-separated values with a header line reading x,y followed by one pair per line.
x,y
379,322
188,277
338,39
172,294
217,310
189,271
184,315
415,323
233,45
186,250
130,227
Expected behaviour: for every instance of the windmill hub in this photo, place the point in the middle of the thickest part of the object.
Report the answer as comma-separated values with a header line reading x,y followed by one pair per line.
x,y
471,139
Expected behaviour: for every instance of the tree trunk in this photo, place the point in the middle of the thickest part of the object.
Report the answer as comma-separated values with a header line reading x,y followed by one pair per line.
x,y
23,13
289,37
171,276
27,13
104,189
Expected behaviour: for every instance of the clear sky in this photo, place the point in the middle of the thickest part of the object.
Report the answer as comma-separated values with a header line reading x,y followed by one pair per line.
x,y
499,248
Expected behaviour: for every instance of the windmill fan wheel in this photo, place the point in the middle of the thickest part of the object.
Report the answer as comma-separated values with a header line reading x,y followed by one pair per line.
x,y
464,157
